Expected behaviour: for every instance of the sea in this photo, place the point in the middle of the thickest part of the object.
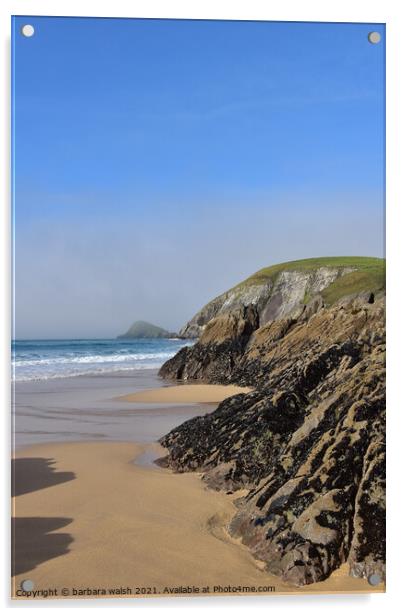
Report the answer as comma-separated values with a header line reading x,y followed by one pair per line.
x,y
41,360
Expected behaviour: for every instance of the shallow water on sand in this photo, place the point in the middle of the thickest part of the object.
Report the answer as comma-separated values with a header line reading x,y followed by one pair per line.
x,y
85,408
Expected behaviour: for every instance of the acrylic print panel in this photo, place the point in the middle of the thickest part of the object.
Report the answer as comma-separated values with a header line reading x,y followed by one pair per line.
x,y
198,342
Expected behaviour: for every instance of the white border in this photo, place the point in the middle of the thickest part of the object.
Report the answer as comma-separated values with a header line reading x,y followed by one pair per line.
x,y
380,11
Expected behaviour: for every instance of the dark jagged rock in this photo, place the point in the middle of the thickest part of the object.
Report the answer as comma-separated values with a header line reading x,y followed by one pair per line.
x,y
307,442
220,347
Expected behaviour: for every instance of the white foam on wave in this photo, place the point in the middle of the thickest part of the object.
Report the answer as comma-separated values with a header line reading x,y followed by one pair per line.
x,y
38,364
91,359
35,376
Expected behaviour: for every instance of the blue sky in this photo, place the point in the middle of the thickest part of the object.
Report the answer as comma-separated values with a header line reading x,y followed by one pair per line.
x,y
158,162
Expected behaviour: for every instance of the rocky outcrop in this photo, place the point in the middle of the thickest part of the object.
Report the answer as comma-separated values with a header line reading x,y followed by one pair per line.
x,y
222,344
307,443
142,329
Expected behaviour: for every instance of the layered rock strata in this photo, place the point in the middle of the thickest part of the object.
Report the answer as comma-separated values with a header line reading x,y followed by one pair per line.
x,y
283,290
308,443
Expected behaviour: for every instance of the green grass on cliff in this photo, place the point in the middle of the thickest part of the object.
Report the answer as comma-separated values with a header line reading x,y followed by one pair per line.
x,y
355,282
369,275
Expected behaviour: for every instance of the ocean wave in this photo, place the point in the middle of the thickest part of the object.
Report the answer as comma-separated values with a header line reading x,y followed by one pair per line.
x,y
68,374
38,360
91,359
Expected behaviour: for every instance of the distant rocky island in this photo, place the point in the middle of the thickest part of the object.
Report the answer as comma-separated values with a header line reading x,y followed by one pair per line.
x,y
142,329
308,443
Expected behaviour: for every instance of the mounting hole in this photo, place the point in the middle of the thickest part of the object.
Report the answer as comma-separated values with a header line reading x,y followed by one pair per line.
x,y
27,585
374,579
28,30
374,37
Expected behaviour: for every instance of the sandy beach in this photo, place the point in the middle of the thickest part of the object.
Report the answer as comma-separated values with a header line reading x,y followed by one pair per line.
x,y
186,394
88,517
91,516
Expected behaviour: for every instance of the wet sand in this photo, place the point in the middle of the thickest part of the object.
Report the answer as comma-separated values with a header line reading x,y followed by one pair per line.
x,y
88,409
87,517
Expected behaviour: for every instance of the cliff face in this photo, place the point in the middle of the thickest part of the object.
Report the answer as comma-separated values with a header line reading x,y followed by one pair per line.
x,y
283,290
308,442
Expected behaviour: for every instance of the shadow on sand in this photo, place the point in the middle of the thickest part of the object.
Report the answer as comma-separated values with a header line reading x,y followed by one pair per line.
x,y
33,539
31,474
32,544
